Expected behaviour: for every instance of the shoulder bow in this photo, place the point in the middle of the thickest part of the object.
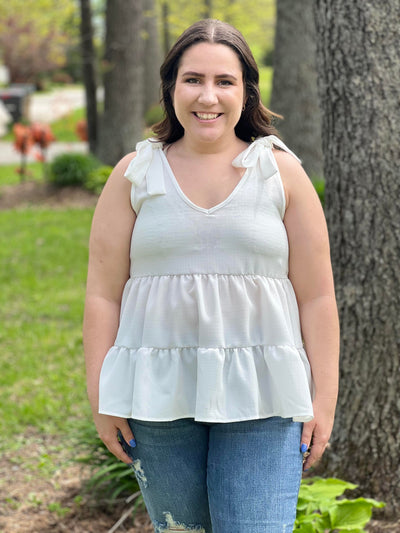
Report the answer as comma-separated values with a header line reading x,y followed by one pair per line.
x,y
147,153
260,152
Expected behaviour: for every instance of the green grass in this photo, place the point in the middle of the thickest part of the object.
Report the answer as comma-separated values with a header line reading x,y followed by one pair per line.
x,y
43,254
64,128
10,176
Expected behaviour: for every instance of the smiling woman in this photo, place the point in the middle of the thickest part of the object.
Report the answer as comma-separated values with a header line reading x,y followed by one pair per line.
x,y
211,350
208,98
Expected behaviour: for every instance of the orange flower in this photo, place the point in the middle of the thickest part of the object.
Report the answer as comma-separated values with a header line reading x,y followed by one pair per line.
x,y
82,130
23,138
42,134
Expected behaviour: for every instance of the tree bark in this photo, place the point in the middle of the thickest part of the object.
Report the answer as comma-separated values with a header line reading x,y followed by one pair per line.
x,y
359,73
207,9
165,26
294,89
152,56
122,121
89,73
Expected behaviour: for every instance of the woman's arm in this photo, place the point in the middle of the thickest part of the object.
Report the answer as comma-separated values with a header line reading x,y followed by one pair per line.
x,y
108,272
310,272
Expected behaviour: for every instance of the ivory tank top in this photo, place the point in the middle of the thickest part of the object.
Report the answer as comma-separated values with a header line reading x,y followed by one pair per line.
x,y
209,324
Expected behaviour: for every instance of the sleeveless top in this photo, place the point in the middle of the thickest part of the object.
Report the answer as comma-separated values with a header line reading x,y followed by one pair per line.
x,y
209,325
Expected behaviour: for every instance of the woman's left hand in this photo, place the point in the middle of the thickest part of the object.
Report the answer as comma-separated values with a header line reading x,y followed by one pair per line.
x,y
317,432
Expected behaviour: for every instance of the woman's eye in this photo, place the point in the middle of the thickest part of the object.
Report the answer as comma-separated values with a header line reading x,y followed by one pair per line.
x,y
225,82
191,80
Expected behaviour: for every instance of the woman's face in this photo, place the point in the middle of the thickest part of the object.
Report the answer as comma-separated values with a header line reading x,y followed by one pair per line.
x,y
209,92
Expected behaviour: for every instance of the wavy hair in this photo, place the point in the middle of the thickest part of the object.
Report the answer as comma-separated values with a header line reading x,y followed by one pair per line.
x,y
255,120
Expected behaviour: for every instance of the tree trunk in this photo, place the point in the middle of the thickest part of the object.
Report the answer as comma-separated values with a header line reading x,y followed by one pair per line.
x,y
152,57
207,9
165,26
89,72
359,69
122,121
294,89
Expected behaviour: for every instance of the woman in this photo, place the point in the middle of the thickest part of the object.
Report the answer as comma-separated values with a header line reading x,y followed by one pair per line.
x,y
212,351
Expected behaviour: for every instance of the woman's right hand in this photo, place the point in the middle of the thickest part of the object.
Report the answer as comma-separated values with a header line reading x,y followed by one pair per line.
x,y
107,428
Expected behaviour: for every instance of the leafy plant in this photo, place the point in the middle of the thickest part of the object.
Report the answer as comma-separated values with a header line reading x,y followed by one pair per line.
x,y
320,511
97,179
72,169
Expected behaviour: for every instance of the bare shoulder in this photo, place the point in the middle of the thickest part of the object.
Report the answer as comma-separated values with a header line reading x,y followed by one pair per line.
x,y
295,180
289,167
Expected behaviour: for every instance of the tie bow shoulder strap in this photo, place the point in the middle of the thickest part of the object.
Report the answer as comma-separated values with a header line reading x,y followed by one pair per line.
x,y
260,153
147,155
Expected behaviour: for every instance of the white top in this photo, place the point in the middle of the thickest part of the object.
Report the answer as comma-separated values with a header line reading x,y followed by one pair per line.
x,y
209,326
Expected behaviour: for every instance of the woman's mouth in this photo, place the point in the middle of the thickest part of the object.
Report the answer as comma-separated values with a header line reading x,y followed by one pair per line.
x,y
207,116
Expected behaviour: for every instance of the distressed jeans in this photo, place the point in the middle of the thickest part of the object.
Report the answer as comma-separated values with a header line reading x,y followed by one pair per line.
x,y
236,477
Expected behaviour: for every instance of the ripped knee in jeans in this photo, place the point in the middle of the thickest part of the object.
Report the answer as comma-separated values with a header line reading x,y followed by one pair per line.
x,y
170,525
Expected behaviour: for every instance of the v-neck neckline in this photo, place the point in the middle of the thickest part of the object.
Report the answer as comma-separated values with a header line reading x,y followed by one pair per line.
x,y
230,196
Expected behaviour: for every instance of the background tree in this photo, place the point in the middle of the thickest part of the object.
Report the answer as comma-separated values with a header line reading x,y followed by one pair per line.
x,y
122,121
34,36
359,73
152,56
294,89
89,72
208,9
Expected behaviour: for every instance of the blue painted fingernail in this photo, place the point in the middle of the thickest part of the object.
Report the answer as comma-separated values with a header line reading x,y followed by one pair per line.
x,y
303,448
132,443
306,469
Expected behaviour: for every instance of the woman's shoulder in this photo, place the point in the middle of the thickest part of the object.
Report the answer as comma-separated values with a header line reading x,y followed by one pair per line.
x,y
286,162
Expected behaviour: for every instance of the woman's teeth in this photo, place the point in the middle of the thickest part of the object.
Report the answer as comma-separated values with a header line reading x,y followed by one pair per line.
x,y
207,116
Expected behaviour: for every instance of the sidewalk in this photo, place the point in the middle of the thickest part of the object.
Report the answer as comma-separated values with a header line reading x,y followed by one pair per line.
x,y
9,156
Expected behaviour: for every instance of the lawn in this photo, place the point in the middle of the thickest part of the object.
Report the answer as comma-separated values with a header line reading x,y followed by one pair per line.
x,y
43,254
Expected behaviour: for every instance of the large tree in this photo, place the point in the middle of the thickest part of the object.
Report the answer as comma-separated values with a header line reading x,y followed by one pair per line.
x,y
359,73
294,89
152,56
122,121
89,72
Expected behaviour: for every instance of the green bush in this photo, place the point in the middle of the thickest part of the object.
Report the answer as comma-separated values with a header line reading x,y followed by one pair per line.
x,y
97,179
72,169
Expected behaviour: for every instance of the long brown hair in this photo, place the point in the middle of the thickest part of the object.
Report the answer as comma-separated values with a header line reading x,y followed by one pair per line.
x,y
255,120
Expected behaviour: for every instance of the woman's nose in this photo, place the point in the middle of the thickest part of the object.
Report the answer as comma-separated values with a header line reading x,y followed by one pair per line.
x,y
208,95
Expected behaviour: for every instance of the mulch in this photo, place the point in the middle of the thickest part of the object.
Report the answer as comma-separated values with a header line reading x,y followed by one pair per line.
x,y
40,194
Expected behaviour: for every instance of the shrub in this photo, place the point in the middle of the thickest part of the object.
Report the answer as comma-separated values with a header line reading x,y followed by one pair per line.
x,y
97,179
72,169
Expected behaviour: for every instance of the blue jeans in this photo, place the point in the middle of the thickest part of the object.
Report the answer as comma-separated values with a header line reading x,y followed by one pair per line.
x,y
239,477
